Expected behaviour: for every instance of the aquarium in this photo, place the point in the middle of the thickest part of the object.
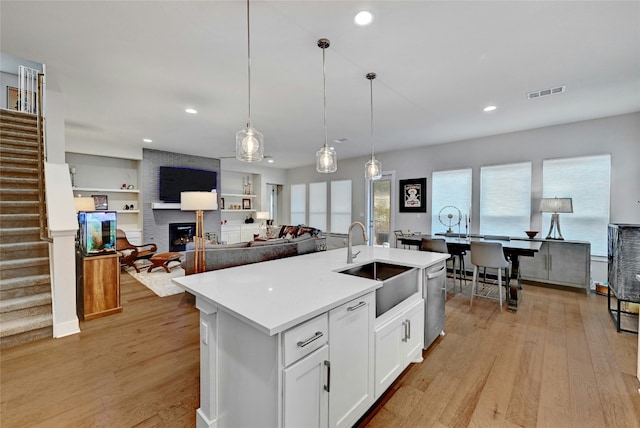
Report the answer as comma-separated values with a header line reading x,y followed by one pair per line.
x,y
97,232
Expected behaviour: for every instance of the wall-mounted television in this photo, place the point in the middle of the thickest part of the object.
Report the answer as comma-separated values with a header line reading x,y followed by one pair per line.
x,y
174,180
97,232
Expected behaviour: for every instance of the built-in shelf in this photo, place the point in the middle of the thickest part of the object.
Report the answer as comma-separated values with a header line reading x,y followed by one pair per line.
x,y
128,211
236,195
97,189
238,211
165,206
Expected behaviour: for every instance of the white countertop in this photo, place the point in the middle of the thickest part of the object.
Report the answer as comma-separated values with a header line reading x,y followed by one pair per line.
x,y
276,295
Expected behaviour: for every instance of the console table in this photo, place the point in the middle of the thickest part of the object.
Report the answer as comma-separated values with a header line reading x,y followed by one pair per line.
x,y
566,263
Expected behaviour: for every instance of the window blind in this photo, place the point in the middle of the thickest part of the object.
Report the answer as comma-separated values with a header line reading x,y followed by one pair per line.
x,y
318,205
505,199
298,204
450,188
587,181
340,206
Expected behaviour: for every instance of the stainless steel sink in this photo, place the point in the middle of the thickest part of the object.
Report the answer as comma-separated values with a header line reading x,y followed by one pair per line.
x,y
399,282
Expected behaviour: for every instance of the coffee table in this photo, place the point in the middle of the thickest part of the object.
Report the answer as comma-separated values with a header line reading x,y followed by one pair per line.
x,y
163,260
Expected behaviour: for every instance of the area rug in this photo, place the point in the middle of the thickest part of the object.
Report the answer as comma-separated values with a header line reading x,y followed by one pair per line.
x,y
158,280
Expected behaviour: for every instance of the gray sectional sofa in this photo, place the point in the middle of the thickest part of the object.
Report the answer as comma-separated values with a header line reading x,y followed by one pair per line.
x,y
225,256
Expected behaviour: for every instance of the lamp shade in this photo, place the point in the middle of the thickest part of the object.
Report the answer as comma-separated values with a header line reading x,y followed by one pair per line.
x,y
198,201
262,215
556,205
84,204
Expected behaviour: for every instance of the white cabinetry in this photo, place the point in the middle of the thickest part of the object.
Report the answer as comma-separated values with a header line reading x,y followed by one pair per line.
x,y
565,263
344,377
351,357
306,402
232,234
399,338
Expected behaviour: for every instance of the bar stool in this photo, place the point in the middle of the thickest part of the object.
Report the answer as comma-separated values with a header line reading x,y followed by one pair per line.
x,y
398,234
488,255
440,246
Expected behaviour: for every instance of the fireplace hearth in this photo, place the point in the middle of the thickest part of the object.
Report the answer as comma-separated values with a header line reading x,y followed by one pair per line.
x,y
180,234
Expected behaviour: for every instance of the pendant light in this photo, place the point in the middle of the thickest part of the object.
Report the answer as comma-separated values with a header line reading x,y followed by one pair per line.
x,y
326,159
249,141
373,168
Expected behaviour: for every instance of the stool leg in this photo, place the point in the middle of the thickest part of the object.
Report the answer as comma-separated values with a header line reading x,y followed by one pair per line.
x,y
474,284
500,287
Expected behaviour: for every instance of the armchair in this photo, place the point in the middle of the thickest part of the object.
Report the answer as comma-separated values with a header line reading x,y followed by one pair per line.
x,y
129,253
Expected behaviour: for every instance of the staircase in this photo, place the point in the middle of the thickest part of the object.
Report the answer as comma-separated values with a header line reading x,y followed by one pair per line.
x,y
25,283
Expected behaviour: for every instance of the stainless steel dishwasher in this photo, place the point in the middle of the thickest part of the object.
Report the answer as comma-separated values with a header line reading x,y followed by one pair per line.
x,y
435,295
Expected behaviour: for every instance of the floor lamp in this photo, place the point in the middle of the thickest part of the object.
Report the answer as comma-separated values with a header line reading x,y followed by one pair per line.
x,y
199,202
555,206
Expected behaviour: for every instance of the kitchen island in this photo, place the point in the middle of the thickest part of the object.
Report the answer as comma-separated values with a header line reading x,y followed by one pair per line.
x,y
293,341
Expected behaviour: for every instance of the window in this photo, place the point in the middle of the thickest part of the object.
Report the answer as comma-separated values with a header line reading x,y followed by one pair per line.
x,y
505,199
298,204
318,205
450,188
340,206
586,180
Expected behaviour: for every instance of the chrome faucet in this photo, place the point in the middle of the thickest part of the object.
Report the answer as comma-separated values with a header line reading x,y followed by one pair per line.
x,y
350,255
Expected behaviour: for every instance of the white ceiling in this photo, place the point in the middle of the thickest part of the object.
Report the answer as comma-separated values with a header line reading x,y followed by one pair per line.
x,y
128,69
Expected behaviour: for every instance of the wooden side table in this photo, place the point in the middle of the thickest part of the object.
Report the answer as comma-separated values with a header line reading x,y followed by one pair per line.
x,y
98,286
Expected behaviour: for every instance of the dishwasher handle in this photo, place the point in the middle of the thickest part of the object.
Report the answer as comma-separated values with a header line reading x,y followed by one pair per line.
x,y
436,273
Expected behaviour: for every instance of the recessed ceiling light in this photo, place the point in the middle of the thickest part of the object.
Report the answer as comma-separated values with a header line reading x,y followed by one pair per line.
x,y
191,110
490,108
147,140
341,140
363,18
270,160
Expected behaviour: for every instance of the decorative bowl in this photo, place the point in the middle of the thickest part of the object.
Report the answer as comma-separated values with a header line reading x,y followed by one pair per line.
x,y
531,233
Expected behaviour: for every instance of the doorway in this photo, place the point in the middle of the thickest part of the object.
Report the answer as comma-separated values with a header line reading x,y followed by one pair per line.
x,y
381,209
275,202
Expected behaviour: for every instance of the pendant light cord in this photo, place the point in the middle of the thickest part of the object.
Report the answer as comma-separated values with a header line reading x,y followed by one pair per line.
x,y
249,64
371,86
324,84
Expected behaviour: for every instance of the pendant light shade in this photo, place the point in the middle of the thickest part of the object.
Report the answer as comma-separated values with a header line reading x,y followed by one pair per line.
x,y
373,168
249,141
326,158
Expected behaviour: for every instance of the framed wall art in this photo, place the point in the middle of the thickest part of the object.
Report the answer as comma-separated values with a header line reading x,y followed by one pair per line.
x,y
413,195
101,202
13,99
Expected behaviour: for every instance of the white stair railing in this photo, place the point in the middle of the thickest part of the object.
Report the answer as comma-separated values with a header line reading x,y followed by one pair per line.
x,y
28,89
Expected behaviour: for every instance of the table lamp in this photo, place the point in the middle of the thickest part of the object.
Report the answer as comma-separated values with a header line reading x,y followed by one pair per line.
x,y
199,202
263,215
84,203
555,206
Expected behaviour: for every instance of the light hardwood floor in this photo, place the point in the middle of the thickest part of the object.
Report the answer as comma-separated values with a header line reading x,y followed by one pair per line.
x,y
557,362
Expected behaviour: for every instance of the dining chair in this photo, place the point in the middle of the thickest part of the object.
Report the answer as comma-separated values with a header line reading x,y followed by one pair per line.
x,y
440,246
488,255
493,238
398,234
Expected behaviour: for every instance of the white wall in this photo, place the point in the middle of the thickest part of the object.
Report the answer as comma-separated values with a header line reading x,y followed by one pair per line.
x,y
618,135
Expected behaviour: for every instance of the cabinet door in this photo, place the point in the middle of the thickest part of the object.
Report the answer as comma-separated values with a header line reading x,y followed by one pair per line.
x,y
389,361
306,402
351,355
413,335
536,267
568,263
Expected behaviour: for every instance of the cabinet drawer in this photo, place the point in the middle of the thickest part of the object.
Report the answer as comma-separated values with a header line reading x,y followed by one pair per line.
x,y
305,338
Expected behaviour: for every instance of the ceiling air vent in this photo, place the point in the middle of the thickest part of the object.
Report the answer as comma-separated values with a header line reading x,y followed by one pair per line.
x,y
545,92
